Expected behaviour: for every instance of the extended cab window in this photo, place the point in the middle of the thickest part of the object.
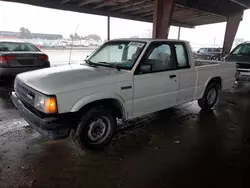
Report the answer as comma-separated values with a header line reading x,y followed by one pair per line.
x,y
181,55
159,57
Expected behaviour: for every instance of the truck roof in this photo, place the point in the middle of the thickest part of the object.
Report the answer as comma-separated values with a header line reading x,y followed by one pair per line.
x,y
147,40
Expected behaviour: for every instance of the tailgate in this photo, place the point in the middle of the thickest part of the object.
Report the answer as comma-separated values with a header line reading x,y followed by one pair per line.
x,y
26,59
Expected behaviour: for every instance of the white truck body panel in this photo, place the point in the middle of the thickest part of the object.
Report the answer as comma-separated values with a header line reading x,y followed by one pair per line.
x,y
78,85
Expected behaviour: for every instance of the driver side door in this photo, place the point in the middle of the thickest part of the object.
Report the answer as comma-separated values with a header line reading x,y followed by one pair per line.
x,y
157,88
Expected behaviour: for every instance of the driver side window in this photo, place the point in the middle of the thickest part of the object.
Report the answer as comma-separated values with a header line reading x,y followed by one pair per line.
x,y
160,58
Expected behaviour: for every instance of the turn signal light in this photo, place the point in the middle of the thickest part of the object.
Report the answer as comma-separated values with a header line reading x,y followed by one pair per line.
x,y
50,105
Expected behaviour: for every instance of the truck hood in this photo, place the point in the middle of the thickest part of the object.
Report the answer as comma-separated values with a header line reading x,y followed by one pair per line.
x,y
70,77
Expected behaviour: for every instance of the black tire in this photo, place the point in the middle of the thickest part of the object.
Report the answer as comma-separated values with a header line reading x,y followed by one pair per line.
x,y
99,118
215,58
206,102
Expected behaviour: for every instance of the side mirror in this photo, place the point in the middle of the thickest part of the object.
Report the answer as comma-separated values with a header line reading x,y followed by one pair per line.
x,y
198,51
145,68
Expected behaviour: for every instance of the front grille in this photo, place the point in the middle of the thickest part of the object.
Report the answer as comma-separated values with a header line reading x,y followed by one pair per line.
x,y
243,66
24,92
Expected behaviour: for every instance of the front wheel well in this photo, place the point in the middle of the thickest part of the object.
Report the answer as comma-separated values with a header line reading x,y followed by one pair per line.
x,y
112,104
216,80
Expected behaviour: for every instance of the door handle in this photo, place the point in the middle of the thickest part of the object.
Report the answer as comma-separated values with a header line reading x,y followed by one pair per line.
x,y
172,76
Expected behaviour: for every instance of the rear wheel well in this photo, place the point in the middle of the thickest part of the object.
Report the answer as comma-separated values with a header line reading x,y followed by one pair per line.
x,y
216,80
112,104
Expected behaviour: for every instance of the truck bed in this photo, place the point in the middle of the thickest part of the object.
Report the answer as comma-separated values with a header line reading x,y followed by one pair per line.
x,y
212,69
205,62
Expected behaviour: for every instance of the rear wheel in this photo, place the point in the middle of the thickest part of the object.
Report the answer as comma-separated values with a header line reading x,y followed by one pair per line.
x,y
96,129
210,96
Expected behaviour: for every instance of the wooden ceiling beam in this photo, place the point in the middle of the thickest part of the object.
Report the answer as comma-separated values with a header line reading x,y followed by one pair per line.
x,y
141,11
147,14
85,2
109,3
127,4
105,3
243,3
133,8
64,1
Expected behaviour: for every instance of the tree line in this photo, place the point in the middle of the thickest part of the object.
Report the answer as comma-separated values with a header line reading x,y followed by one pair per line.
x,y
24,33
88,37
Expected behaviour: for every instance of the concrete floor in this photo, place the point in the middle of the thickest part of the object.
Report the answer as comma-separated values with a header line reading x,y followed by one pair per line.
x,y
178,147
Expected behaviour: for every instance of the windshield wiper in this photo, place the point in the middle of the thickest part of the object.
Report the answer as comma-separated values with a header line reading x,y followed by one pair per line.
x,y
88,62
113,65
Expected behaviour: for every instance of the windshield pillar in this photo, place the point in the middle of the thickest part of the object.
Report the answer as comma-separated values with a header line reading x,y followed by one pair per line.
x,y
108,28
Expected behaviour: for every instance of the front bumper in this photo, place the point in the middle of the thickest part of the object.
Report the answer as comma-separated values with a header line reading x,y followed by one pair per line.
x,y
51,127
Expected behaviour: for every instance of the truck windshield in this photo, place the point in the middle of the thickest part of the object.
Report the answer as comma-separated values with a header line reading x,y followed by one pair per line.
x,y
242,49
118,54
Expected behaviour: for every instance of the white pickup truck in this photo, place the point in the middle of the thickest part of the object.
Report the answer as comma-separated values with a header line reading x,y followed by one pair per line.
x,y
122,79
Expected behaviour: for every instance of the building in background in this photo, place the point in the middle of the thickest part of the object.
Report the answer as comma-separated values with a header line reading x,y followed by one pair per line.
x,y
16,35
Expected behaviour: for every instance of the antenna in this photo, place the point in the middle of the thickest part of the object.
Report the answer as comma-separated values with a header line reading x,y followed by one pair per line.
x,y
70,52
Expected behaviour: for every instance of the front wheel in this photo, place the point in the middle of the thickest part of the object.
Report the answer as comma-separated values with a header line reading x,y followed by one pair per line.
x,y
96,129
210,97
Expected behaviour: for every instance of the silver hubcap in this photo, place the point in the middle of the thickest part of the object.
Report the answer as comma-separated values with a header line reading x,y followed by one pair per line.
x,y
211,96
99,129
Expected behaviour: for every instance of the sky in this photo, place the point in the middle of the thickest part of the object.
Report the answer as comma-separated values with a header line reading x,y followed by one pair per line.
x,y
44,20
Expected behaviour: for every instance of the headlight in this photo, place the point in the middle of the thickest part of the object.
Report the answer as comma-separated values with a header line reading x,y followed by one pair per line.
x,y
46,104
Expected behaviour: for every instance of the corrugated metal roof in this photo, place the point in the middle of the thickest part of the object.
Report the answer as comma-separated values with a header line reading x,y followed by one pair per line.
x,y
187,13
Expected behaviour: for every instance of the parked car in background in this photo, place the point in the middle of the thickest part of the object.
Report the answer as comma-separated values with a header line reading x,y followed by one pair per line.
x,y
59,45
123,79
209,54
18,57
241,56
39,44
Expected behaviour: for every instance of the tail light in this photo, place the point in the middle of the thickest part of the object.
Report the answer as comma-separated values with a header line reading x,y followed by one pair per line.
x,y
44,57
5,59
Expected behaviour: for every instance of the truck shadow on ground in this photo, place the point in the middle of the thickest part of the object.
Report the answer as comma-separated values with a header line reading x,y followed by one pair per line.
x,y
169,123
